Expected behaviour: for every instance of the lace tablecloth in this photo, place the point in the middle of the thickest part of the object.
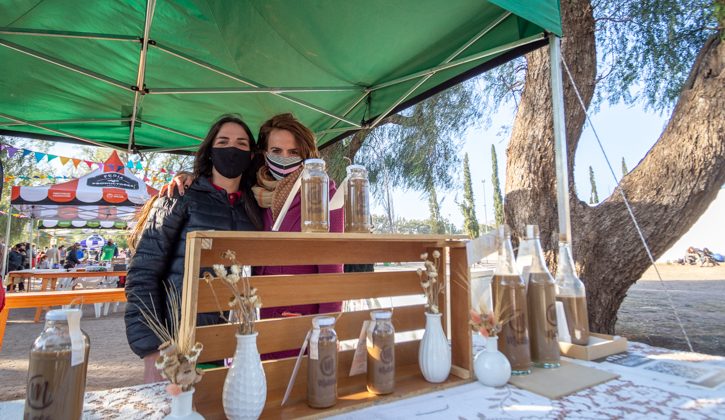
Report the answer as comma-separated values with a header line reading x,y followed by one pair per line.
x,y
661,385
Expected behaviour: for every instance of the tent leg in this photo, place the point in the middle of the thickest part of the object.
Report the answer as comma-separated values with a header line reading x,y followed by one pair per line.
x,y
560,148
6,254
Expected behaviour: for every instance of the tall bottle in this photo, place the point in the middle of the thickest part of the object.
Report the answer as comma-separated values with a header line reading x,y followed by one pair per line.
x,y
525,255
315,203
381,353
509,293
57,369
322,363
541,299
571,292
357,200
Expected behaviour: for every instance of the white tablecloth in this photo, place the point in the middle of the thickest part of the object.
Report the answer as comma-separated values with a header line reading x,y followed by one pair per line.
x,y
658,388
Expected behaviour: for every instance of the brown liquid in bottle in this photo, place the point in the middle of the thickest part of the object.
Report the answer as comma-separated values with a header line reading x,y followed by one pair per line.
x,y
55,389
577,319
357,206
381,363
322,376
513,339
541,297
314,205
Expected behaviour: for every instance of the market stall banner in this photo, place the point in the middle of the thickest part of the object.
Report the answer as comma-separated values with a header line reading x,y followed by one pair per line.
x,y
103,194
154,74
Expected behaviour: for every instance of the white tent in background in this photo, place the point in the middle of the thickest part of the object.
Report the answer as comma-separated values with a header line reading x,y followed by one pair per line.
x,y
707,232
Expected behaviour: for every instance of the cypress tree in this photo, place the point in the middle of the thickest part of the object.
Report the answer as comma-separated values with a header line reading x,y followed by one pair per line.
x,y
468,207
497,197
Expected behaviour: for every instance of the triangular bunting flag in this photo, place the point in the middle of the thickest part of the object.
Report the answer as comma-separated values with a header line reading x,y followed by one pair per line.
x,y
26,152
163,171
89,163
130,165
64,160
11,151
51,157
138,165
76,162
39,156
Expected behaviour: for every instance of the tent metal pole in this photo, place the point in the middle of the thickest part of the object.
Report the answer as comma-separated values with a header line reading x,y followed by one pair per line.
x,y
59,132
245,90
65,65
449,62
6,254
140,85
170,130
560,147
67,34
81,120
240,79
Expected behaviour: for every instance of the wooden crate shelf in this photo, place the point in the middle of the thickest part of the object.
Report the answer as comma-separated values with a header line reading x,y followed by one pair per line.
x,y
276,249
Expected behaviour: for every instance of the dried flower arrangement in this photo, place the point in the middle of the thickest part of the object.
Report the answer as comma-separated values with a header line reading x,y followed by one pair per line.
x,y
244,301
178,357
430,282
488,322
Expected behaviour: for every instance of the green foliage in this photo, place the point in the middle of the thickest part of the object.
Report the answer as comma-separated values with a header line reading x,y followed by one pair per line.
x,y
468,207
437,224
594,197
497,197
647,47
625,171
410,227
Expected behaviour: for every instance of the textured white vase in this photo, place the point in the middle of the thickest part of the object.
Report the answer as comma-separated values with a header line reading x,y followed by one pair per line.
x,y
492,368
245,388
181,407
434,354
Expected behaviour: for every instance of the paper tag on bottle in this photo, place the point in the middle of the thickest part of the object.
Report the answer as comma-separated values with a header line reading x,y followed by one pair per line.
x,y
338,199
561,323
360,359
314,344
78,354
292,378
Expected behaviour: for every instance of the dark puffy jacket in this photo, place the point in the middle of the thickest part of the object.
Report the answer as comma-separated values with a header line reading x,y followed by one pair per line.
x,y
159,257
15,260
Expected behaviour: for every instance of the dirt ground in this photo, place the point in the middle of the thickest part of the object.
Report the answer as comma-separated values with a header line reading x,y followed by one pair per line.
x,y
697,293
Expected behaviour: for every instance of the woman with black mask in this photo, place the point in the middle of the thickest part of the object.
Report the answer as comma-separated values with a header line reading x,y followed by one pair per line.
x,y
219,199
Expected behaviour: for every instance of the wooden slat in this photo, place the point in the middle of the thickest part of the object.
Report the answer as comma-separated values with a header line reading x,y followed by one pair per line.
x,y
207,397
288,333
65,297
461,305
434,240
187,329
304,289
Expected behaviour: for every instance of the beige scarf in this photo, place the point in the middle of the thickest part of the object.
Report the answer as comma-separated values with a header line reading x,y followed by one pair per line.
x,y
270,193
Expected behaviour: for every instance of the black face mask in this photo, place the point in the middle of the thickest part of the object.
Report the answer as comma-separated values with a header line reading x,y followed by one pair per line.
x,y
230,162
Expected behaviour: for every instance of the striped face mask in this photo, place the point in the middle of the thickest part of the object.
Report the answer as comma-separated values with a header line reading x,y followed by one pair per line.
x,y
280,166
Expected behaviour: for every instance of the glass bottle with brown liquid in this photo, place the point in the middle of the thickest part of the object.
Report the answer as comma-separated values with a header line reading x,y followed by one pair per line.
x,y
541,302
357,200
322,363
571,292
57,369
381,353
315,200
509,292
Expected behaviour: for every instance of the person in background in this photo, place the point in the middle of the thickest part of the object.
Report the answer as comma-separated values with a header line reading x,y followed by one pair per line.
x,y
109,251
219,199
15,263
61,254
71,258
52,254
43,263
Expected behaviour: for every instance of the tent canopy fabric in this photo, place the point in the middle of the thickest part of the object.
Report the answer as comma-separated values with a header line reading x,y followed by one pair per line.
x,y
155,75
111,193
84,224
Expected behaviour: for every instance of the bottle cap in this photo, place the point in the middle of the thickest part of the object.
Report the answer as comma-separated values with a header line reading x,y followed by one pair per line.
x,y
381,315
56,315
323,321
314,161
351,168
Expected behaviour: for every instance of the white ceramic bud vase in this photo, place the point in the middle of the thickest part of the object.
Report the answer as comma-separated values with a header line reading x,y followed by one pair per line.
x,y
245,388
492,368
434,354
181,407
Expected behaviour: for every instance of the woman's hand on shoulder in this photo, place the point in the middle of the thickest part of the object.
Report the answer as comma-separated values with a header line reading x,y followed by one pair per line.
x,y
179,183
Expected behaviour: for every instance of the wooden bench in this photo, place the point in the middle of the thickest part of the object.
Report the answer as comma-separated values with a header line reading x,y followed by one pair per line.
x,y
275,249
42,299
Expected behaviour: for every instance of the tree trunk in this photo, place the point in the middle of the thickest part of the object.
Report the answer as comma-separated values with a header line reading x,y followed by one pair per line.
x,y
668,191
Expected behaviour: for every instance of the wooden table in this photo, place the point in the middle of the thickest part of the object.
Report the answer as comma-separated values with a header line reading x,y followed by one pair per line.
x,y
41,299
49,279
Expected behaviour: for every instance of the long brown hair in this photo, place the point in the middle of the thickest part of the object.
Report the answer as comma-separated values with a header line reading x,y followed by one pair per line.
x,y
202,167
305,138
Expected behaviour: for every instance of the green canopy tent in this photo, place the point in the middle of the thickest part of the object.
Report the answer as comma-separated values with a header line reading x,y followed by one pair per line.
x,y
153,75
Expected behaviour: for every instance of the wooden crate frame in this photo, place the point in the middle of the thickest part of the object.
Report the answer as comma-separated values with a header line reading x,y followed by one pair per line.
x,y
204,248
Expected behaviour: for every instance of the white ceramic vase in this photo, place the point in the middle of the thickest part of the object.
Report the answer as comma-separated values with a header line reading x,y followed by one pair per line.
x,y
434,354
181,407
245,388
492,368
